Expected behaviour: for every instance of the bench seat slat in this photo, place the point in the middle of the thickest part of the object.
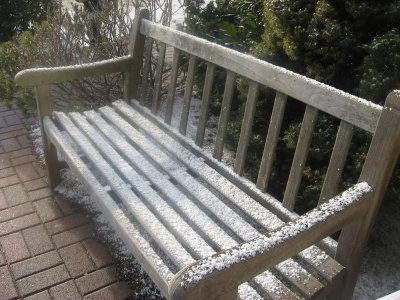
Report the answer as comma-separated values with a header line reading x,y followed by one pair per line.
x,y
171,145
185,205
170,217
145,217
127,229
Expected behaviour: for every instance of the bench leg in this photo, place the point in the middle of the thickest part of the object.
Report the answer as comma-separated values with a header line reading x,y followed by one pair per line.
x,y
53,165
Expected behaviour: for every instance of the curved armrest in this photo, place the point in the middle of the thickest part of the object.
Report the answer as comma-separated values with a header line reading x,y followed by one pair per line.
x,y
41,76
223,272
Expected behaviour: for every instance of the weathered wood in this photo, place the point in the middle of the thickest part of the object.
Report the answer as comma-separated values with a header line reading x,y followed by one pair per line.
x,y
44,108
158,78
280,245
172,86
146,71
44,76
187,96
136,48
205,103
247,125
130,234
337,161
377,171
224,114
300,157
352,109
271,141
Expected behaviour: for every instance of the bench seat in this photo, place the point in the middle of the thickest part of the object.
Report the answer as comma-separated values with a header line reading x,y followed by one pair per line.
x,y
169,204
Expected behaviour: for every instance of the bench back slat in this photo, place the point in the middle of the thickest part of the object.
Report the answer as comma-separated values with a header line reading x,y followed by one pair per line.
x,y
352,109
337,161
187,97
146,71
205,104
300,157
172,86
224,115
247,124
158,78
271,141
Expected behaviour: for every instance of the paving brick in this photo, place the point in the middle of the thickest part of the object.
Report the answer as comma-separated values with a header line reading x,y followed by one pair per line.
x,y
7,172
35,184
18,224
66,206
27,172
11,128
66,223
39,194
42,280
116,291
14,247
10,144
15,133
23,159
65,291
77,260
37,240
7,289
47,209
39,169
15,194
16,211
2,123
98,253
6,181
98,279
18,153
7,112
3,202
39,296
73,236
12,120
24,140
36,264
4,161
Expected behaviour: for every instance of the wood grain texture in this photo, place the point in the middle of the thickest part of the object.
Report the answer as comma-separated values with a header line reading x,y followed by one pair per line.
x,y
300,157
187,96
337,162
271,141
224,114
354,110
377,171
247,125
136,49
144,89
158,78
205,103
172,86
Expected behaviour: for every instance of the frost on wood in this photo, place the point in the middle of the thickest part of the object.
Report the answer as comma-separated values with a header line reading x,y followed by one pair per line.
x,y
260,245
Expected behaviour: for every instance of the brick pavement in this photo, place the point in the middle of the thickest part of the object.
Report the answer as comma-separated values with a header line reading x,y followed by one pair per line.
x,y
47,246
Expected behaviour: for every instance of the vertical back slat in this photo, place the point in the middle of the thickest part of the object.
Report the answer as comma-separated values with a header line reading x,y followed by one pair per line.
x,y
205,103
224,115
247,125
146,71
271,141
172,86
300,157
158,78
187,97
337,161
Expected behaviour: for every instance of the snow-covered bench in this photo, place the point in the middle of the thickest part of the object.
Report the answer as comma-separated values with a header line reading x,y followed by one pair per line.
x,y
199,229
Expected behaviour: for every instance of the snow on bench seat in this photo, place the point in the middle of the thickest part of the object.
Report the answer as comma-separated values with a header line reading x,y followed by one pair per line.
x,y
177,207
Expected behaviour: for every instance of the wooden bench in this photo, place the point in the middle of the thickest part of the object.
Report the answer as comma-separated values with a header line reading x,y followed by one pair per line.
x,y
198,228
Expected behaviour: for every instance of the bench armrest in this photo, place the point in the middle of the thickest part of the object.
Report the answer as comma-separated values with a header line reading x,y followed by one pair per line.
x,y
43,76
224,271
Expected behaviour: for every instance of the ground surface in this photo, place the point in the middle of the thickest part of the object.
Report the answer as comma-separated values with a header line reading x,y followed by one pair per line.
x,y
48,248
